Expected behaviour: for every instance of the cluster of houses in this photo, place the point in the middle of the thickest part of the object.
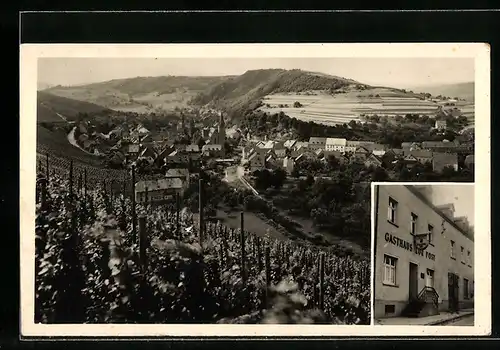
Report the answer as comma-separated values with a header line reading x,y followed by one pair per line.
x,y
179,159
139,146
287,154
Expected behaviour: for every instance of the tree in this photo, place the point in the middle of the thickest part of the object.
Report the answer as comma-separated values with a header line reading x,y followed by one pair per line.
x,y
278,178
297,104
200,142
379,174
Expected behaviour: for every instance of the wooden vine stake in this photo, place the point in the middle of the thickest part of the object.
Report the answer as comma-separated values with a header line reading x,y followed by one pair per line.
x,y
142,241
47,167
134,222
200,210
267,266
321,281
259,253
242,244
177,213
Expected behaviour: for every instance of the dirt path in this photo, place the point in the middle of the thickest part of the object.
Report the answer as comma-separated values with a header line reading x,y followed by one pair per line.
x,y
72,141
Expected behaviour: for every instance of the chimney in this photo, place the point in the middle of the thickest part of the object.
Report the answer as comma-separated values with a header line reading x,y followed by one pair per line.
x,y
448,210
463,223
426,191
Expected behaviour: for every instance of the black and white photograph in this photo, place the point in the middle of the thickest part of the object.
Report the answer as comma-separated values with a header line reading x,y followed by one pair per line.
x,y
424,254
233,188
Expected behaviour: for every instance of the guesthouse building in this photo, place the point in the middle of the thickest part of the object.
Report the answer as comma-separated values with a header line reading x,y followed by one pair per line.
x,y
424,255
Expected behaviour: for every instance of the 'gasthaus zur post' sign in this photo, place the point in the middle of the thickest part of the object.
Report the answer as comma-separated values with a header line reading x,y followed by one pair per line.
x,y
418,246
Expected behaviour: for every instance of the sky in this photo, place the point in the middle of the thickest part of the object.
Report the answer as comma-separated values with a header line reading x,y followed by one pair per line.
x,y
462,197
391,72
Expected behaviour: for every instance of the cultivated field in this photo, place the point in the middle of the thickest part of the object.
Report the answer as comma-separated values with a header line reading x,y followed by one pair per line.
x,y
342,108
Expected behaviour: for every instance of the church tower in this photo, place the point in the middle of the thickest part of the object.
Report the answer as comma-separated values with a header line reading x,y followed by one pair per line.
x,y
221,130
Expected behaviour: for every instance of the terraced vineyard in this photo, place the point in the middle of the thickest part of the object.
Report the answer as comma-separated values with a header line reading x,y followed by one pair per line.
x,y
342,108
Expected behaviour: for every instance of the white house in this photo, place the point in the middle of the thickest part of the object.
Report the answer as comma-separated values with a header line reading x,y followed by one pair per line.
x,y
335,144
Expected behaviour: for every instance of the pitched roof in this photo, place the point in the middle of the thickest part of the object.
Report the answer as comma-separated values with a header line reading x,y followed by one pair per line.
x,y
427,144
192,148
177,172
359,143
374,147
469,159
317,140
289,143
211,147
444,158
133,148
374,157
396,151
419,153
160,184
335,141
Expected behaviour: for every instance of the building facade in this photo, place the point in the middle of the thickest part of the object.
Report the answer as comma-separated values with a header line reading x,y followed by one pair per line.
x,y
414,280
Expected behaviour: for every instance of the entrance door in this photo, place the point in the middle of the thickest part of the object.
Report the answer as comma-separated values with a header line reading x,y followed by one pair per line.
x,y
453,291
413,281
429,280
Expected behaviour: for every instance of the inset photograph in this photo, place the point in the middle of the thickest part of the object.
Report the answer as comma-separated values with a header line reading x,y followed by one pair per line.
x,y
423,254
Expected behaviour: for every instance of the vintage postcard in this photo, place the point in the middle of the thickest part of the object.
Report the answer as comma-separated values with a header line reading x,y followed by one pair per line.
x,y
255,190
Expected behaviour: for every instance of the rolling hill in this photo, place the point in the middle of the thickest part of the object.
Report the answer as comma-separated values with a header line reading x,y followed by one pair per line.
x,y
321,97
460,90
53,109
140,94
238,93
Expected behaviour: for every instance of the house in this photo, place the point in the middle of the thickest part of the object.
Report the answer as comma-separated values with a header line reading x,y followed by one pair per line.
x,y
147,152
410,146
271,160
440,125
376,148
158,190
360,155
133,149
177,159
205,133
257,161
280,152
391,156
141,130
180,173
352,146
335,144
442,160
213,150
417,156
341,158
288,164
373,160
193,148
441,146
289,144
320,153
317,142
469,161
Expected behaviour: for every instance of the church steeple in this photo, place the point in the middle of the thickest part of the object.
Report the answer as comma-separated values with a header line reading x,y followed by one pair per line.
x,y
221,130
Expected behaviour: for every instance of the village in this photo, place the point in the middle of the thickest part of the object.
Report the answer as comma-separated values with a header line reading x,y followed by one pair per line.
x,y
229,151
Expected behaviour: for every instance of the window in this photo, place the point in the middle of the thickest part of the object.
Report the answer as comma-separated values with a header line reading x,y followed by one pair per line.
x,y
392,210
466,288
413,224
452,253
390,270
430,229
429,281
469,261
462,255
390,309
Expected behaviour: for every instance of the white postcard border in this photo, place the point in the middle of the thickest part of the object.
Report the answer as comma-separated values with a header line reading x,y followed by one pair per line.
x,y
29,53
